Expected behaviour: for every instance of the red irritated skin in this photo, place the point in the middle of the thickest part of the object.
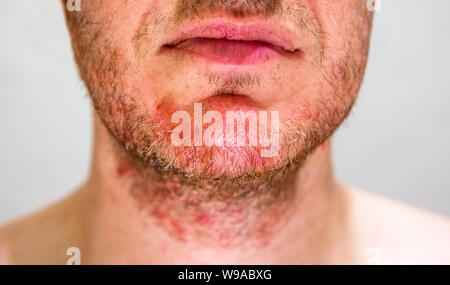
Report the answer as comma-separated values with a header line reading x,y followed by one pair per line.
x,y
145,61
167,57
150,201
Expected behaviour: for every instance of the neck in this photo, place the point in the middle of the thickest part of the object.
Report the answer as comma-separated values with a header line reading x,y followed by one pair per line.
x,y
159,221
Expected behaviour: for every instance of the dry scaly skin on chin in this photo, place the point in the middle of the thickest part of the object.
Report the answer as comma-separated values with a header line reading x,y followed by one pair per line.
x,y
137,83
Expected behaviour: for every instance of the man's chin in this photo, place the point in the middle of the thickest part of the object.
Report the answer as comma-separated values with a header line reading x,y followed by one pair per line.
x,y
209,163
198,164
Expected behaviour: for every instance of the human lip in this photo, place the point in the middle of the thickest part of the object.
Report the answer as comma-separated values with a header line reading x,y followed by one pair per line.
x,y
234,42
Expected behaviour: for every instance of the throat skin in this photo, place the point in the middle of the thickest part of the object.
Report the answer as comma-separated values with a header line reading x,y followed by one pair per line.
x,y
122,224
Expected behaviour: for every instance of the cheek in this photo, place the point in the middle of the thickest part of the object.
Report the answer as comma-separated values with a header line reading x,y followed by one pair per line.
x,y
346,21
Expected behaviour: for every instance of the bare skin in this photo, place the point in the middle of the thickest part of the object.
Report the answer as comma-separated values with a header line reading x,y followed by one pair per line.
x,y
148,200
334,224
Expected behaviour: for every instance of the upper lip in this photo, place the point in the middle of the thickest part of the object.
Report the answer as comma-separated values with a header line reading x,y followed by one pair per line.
x,y
261,31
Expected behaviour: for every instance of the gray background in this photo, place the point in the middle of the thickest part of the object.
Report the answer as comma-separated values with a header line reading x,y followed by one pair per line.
x,y
395,143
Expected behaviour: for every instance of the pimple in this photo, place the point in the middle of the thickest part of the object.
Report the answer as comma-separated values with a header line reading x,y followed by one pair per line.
x,y
122,169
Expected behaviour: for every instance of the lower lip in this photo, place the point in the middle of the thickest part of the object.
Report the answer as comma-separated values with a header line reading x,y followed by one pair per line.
x,y
231,52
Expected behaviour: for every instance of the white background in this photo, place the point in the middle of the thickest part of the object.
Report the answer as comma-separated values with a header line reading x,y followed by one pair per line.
x,y
395,143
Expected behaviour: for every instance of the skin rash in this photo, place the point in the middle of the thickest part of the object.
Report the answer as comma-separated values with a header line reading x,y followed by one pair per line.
x,y
137,83
138,78
149,201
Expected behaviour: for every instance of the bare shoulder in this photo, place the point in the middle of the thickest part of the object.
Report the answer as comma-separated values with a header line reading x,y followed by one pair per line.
x,y
398,233
17,238
39,238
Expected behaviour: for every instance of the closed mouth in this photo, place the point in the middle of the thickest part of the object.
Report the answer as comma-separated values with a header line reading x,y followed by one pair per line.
x,y
228,42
